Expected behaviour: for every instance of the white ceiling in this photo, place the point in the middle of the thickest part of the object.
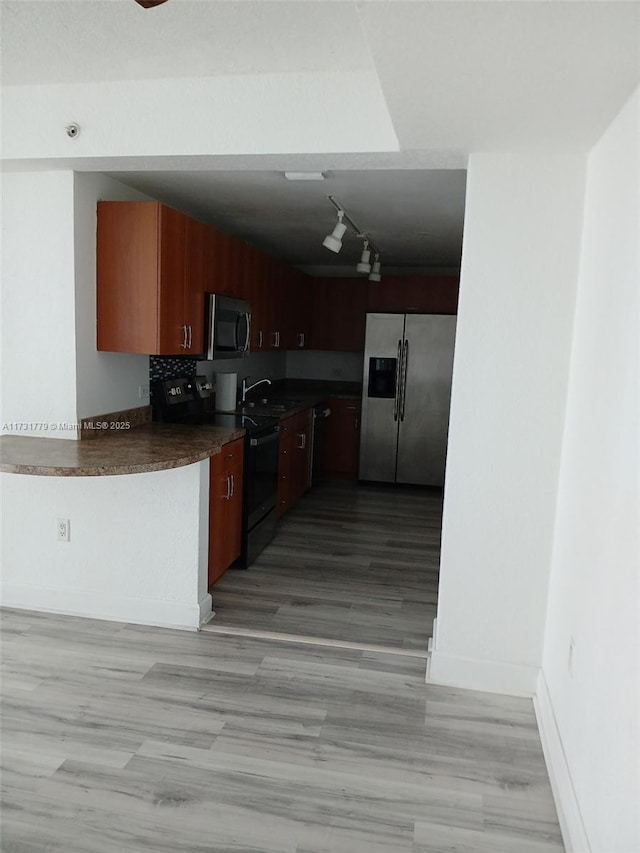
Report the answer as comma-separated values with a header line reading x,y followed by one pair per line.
x,y
414,217
458,77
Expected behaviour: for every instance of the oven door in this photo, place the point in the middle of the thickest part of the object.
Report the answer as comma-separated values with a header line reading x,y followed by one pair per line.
x,y
261,475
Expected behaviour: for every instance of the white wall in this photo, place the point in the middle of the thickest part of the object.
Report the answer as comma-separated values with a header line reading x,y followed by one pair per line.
x,y
52,373
38,303
106,382
269,365
138,545
589,704
334,112
317,364
517,290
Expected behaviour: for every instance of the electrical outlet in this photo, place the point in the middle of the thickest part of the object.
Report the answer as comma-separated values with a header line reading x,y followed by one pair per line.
x,y
143,392
63,530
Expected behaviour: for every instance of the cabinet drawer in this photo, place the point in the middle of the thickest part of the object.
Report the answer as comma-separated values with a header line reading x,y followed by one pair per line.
x,y
342,406
233,451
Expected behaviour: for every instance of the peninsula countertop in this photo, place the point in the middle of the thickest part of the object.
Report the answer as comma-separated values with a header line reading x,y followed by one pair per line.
x,y
152,447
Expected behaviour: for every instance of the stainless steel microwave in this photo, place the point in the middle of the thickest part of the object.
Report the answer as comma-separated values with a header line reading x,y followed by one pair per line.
x,y
228,327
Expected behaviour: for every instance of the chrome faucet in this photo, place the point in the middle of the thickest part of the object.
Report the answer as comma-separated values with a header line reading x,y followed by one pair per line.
x,y
246,388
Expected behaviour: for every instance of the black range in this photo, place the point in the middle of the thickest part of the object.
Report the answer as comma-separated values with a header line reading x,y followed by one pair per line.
x,y
190,400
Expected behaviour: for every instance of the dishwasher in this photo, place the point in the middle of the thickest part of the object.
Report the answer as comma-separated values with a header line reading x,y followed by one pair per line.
x,y
318,438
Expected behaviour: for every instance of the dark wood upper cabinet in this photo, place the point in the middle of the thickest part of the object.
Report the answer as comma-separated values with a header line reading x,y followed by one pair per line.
x,y
145,297
339,308
154,265
414,294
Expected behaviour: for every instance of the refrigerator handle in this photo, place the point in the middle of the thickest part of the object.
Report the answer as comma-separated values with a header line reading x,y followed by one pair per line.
x,y
405,368
396,402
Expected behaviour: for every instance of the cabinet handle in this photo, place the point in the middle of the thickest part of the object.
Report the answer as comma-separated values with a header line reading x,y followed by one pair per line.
x,y
184,338
303,440
190,338
232,486
260,339
228,494
301,339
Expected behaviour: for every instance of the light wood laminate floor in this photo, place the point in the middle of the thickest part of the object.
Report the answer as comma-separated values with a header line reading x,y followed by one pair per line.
x,y
124,739
349,563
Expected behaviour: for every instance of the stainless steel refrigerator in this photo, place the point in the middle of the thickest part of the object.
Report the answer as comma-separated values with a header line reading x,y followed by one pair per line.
x,y
408,362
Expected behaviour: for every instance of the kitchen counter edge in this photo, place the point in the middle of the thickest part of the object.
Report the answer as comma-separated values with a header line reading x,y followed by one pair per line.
x,y
153,447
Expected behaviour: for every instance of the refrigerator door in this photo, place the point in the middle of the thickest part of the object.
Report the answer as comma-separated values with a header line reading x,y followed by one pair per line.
x,y
425,398
380,404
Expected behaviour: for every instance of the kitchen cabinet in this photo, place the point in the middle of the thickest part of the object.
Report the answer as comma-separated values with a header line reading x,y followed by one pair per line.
x,y
195,280
297,301
414,294
224,263
276,307
225,508
285,466
149,280
295,460
301,454
342,438
339,313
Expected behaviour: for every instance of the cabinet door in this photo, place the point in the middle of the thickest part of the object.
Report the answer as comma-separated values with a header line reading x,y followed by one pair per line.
x,y
304,308
302,453
195,280
285,466
276,308
173,337
127,276
339,314
414,294
219,496
342,442
233,454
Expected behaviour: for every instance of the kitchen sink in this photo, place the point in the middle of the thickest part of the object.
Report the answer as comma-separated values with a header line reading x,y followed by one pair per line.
x,y
278,405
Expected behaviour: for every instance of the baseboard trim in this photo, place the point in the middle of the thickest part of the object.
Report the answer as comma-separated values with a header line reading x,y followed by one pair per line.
x,y
97,605
477,674
570,818
206,609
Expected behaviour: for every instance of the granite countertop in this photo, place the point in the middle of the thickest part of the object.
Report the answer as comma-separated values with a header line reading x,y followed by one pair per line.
x,y
153,447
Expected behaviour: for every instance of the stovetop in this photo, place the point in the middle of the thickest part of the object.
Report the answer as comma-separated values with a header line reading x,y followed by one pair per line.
x,y
190,401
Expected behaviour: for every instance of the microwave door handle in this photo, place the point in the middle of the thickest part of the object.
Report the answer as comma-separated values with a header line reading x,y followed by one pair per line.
x,y
396,401
247,341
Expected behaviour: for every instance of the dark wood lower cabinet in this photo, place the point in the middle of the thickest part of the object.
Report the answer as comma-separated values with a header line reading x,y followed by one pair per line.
x,y
225,508
295,460
342,441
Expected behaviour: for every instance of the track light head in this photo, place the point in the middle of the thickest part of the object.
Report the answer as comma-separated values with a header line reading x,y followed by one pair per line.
x,y
333,241
374,275
364,265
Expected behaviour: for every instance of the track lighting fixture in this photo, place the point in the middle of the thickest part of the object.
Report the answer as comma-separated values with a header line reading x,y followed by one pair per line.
x,y
333,241
365,265
374,275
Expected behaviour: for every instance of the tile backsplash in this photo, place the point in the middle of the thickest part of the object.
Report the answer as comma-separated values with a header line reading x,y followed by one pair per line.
x,y
171,366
